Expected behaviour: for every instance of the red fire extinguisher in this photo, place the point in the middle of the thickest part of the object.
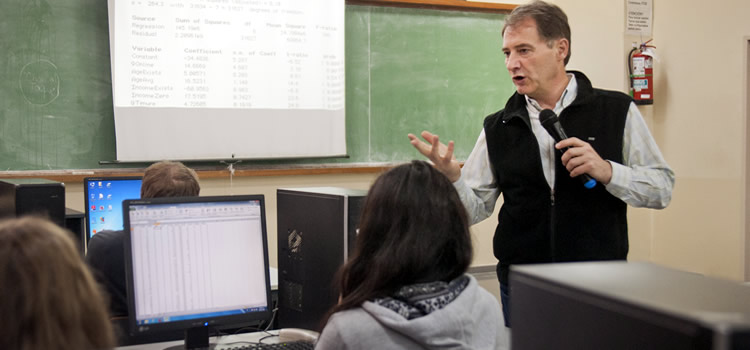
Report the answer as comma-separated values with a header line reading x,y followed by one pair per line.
x,y
641,71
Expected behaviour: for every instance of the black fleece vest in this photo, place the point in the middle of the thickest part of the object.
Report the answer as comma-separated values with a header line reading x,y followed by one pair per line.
x,y
573,223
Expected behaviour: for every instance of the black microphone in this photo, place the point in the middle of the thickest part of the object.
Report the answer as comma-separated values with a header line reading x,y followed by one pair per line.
x,y
551,123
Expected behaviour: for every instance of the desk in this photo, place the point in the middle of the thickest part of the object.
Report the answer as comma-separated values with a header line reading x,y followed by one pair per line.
x,y
223,342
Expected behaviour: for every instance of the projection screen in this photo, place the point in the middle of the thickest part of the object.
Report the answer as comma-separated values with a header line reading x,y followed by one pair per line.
x,y
219,79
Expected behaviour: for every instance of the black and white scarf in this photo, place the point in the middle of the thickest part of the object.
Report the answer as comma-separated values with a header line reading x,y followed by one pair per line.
x,y
421,299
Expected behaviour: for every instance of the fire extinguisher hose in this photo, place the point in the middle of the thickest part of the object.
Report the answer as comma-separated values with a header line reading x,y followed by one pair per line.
x,y
630,67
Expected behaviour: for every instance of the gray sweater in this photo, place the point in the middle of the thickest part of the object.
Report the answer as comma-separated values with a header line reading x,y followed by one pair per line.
x,y
471,321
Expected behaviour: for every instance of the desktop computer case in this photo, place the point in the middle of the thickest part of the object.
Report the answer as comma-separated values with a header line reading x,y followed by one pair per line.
x,y
33,196
623,306
316,232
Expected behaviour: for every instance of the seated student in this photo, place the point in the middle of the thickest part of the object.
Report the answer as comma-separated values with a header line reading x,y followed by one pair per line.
x,y
49,300
406,287
106,249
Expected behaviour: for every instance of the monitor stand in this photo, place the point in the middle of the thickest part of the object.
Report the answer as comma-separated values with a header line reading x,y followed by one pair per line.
x,y
196,338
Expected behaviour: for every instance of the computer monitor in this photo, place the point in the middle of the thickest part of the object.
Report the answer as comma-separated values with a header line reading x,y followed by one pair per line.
x,y
104,196
196,262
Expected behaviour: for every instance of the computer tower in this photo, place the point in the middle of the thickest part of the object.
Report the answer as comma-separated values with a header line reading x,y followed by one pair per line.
x,y
317,228
621,305
33,196
74,222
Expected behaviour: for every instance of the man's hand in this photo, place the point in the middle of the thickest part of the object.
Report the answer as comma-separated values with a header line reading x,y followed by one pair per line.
x,y
440,154
581,158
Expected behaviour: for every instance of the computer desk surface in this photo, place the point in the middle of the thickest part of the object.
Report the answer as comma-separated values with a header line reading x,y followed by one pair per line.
x,y
222,342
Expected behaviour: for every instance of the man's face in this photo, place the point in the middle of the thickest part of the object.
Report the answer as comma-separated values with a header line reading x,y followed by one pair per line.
x,y
532,64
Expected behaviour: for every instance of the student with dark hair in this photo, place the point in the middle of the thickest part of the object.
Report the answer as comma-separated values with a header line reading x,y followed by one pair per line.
x,y
50,300
405,286
105,250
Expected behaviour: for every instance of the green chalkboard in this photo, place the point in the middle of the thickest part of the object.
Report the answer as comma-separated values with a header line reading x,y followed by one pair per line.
x,y
407,70
55,85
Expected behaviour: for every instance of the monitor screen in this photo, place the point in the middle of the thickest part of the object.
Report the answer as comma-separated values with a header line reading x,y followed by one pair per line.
x,y
196,262
104,196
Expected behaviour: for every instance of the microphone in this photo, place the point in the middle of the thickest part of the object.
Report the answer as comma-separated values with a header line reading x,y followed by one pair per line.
x,y
551,123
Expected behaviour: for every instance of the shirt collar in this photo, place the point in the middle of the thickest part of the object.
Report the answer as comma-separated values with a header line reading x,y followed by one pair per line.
x,y
568,96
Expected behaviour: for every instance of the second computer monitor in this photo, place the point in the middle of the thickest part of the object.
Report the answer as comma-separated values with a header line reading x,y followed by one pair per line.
x,y
104,196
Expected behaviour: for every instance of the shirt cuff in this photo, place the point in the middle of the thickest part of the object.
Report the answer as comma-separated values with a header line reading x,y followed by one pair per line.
x,y
621,177
460,184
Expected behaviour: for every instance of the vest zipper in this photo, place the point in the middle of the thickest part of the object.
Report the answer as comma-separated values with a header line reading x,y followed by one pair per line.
x,y
552,232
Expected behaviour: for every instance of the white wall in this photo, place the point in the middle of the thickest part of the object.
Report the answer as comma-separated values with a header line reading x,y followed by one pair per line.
x,y
698,120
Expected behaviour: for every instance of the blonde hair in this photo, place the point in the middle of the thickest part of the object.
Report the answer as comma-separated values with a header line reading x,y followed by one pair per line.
x,y
50,300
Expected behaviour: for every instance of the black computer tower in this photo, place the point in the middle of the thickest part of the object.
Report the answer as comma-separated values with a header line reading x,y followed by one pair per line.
x,y
75,223
623,306
317,228
33,196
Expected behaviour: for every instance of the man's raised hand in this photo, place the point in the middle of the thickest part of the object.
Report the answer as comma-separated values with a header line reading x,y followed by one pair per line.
x,y
438,153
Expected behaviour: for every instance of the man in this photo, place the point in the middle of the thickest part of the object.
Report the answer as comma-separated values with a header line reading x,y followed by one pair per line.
x,y
547,214
105,250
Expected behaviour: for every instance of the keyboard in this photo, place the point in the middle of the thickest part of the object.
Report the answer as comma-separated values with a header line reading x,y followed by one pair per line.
x,y
294,345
